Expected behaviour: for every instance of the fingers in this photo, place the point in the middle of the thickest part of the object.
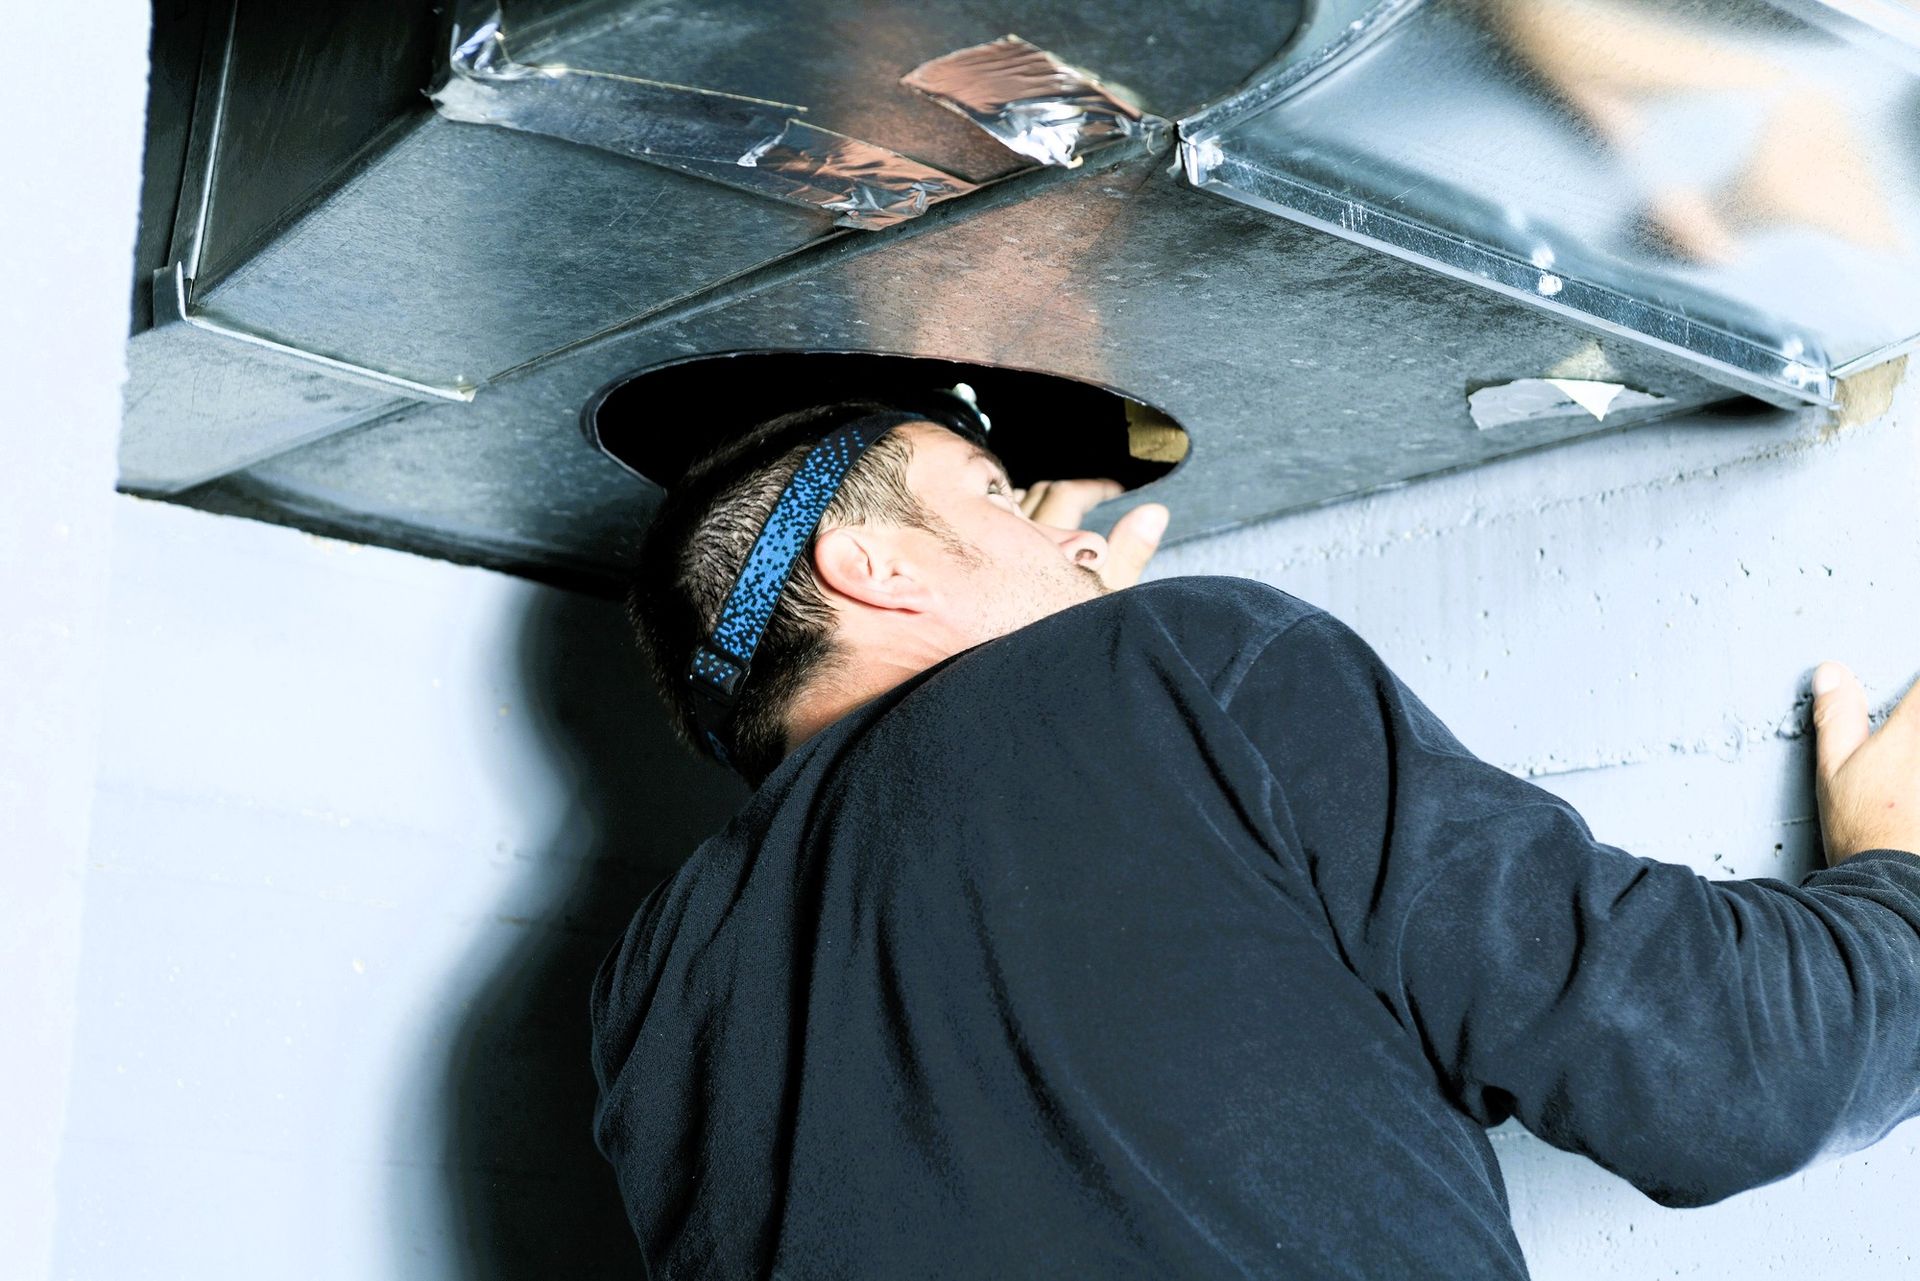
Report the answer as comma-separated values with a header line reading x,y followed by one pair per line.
x,y
1867,783
1839,717
1133,540
1131,544
1066,502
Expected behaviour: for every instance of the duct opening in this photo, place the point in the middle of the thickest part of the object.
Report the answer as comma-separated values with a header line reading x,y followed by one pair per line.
x,y
655,422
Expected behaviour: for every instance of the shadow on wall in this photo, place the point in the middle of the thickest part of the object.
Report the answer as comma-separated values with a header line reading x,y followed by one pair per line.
x,y
529,1196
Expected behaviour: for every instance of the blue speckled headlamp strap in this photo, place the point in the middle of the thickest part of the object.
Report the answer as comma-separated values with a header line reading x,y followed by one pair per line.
x,y
720,666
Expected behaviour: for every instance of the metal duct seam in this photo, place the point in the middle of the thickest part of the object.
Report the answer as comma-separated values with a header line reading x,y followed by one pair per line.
x,y
172,289
1034,102
751,144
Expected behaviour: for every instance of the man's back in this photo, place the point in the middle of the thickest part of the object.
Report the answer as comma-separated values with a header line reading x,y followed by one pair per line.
x,y
1171,935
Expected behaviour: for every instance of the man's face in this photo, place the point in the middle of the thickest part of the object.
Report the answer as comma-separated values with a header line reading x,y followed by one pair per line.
x,y
1011,570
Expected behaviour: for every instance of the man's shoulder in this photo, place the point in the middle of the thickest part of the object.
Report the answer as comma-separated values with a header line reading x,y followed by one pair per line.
x,y
1216,608
1209,625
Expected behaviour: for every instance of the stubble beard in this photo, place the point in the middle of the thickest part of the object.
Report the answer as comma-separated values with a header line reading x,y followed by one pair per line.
x,y
1006,606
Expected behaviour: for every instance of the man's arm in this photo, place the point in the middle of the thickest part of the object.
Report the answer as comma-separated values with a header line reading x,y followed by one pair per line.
x,y
1696,1037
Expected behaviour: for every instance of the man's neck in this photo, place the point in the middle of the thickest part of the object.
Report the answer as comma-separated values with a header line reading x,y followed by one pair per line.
x,y
848,683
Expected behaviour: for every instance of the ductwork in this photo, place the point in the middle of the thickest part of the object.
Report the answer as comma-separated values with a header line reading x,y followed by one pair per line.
x,y
384,321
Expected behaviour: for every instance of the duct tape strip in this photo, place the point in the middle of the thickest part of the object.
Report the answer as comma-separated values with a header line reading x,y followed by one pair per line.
x,y
750,144
1036,104
867,185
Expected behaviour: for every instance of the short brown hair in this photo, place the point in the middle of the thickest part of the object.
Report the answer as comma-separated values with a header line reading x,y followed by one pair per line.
x,y
698,542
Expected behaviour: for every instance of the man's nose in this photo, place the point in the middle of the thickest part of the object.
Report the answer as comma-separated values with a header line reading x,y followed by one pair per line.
x,y
1082,547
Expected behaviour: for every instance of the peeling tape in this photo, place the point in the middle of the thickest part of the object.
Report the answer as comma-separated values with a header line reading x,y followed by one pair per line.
x,y
1530,399
867,185
1594,397
750,144
1039,105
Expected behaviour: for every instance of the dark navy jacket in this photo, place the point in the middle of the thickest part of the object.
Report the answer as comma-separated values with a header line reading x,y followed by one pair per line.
x,y
1172,936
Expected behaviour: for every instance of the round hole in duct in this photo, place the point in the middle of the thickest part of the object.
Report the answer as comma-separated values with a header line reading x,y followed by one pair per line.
x,y
655,422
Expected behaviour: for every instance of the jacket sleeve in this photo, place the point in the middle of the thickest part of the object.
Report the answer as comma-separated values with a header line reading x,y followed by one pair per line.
x,y
1696,1037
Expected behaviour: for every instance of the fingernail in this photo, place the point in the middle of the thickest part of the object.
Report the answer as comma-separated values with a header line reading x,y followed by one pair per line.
x,y
1154,523
1826,678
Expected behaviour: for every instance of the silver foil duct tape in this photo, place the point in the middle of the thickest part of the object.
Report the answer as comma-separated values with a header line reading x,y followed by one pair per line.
x,y
867,185
750,144
1035,103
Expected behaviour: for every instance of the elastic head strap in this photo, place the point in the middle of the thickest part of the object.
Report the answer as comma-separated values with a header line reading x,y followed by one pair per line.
x,y
720,666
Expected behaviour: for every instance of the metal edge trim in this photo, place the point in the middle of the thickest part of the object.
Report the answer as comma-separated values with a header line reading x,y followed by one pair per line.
x,y
1729,356
1878,356
203,145
1291,71
178,308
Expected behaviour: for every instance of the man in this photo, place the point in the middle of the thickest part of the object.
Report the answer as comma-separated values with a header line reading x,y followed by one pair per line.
x,y
1158,932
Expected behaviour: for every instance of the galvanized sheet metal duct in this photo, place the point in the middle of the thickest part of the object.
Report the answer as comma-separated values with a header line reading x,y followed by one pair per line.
x,y
532,271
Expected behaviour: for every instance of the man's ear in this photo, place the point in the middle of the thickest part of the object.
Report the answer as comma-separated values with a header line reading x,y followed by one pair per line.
x,y
869,566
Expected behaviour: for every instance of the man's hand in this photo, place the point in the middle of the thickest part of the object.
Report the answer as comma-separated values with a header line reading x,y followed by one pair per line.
x,y
1868,787
1135,536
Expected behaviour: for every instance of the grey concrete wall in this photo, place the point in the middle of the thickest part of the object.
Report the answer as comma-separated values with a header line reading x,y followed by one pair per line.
x,y
66,233
363,825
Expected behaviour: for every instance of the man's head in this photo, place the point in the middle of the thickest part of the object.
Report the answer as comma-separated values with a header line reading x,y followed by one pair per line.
x,y
923,552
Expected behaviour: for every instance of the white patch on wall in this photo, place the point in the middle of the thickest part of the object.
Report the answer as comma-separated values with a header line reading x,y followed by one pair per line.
x,y
1528,400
